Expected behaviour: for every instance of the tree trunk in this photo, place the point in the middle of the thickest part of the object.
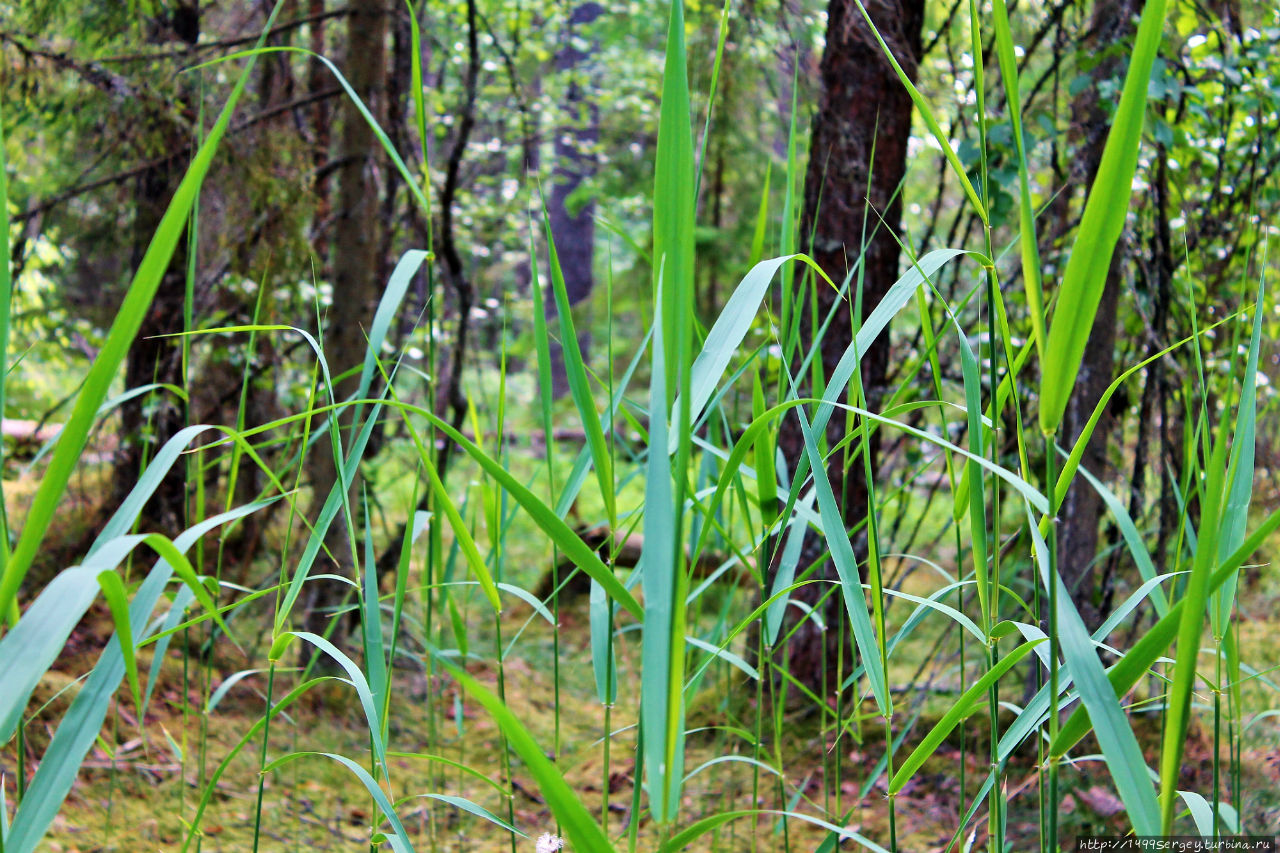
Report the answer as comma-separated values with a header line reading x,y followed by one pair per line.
x,y
863,106
573,224
319,79
356,286
147,422
1082,510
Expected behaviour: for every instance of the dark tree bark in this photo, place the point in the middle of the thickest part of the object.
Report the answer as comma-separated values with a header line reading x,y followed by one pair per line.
x,y
863,105
356,264
1082,510
573,225
321,113
147,422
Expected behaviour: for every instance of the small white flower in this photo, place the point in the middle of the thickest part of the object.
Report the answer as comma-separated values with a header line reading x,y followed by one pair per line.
x,y
549,843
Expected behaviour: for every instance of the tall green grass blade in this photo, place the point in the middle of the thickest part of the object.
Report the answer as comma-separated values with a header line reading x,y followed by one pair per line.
x,y
542,346
846,563
662,573
673,213
726,335
1030,249
1240,471
576,373
762,220
333,503
387,312
662,648
722,34
462,535
118,603
787,237
977,500
420,115
1190,628
375,660
765,458
1100,227
604,661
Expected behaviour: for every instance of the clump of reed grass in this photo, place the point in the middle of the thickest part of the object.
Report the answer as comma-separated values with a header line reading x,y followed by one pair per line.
x,y
697,486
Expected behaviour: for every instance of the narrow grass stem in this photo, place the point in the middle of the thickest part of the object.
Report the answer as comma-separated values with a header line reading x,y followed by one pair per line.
x,y
1051,541
262,756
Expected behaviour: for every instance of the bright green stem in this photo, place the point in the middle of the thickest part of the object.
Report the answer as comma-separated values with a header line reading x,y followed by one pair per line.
x,y
1051,540
262,756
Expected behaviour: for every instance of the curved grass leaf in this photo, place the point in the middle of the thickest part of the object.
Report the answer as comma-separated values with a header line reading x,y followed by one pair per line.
x,y
370,784
926,113
32,645
468,806
969,702
581,828
80,726
683,839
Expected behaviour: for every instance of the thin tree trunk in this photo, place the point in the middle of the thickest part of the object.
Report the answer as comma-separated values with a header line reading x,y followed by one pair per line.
x,y
321,113
863,107
573,225
149,421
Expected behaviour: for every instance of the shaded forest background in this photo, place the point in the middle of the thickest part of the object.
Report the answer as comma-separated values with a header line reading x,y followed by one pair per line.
x,y
306,216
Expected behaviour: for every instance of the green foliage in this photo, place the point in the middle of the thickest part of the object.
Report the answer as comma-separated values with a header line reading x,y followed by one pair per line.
x,y
465,657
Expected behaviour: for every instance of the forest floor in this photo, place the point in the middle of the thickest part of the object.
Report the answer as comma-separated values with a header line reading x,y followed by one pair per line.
x,y
144,797
143,782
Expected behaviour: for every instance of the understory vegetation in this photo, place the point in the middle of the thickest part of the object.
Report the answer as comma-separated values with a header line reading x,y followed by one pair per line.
x,y
669,567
